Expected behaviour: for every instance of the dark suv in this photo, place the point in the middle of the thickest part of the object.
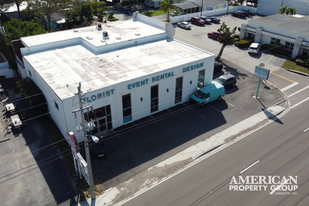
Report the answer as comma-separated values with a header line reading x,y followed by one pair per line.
x,y
239,14
214,19
227,80
197,20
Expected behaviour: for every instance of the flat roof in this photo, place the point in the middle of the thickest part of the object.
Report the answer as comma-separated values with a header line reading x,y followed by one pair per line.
x,y
285,22
74,64
186,5
126,30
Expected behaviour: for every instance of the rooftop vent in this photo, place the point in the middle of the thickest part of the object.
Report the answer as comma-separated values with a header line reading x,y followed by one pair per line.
x,y
105,34
99,26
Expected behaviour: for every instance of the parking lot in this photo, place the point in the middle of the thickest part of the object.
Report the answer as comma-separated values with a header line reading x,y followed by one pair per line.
x,y
197,37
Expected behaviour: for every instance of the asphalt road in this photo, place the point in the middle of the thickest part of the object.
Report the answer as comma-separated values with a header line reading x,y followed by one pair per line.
x,y
280,148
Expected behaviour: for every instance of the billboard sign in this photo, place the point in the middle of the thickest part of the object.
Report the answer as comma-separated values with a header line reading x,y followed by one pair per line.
x,y
72,141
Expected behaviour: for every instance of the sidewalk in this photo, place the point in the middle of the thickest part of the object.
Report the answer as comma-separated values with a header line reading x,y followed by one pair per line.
x,y
151,177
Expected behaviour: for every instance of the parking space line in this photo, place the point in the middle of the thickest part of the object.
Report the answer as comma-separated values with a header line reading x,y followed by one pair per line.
x,y
289,86
214,108
298,91
194,110
169,111
229,103
122,140
152,117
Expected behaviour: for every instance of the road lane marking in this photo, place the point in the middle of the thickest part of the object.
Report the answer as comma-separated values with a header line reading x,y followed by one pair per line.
x,y
289,86
298,91
249,166
306,129
299,103
282,77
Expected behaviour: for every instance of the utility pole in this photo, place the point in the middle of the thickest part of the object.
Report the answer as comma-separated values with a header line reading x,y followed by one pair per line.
x,y
86,144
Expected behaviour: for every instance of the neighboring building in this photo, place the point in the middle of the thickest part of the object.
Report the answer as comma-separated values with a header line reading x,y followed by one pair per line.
x,y
287,30
198,5
153,3
5,71
135,71
270,7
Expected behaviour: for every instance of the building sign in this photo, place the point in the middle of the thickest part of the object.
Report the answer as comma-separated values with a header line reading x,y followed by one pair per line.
x,y
261,72
82,164
72,141
98,96
153,79
192,67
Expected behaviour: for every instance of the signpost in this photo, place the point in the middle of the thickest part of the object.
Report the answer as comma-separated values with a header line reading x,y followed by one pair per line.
x,y
262,73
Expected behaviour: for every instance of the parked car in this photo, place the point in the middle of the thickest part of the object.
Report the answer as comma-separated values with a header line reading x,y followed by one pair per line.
x,y
218,66
214,34
209,93
239,14
185,25
254,48
214,19
207,20
226,80
197,20
249,12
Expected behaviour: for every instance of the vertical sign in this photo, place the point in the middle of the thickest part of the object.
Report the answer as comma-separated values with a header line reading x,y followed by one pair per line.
x,y
263,74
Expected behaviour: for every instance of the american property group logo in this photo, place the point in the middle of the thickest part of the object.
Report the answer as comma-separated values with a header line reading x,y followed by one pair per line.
x,y
278,185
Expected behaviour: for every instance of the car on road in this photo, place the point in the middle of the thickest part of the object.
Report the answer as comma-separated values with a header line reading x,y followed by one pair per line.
x,y
197,20
218,66
226,80
214,34
214,19
207,20
254,48
239,14
249,12
185,25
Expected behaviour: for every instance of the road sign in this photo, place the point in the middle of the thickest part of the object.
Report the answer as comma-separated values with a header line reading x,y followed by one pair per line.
x,y
261,72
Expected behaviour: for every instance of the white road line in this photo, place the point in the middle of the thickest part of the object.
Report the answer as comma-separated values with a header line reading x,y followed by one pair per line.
x,y
289,87
298,91
295,105
306,129
269,59
249,166
229,103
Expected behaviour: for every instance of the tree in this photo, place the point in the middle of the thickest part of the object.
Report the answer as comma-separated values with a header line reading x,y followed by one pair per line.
x,y
15,29
17,2
226,38
48,7
166,6
286,10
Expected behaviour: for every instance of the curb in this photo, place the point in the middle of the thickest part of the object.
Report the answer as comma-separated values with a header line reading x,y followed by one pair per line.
x,y
297,72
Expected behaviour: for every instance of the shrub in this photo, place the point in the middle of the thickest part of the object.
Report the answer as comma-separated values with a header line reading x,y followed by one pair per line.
x,y
299,62
307,63
236,36
302,57
265,46
243,43
235,40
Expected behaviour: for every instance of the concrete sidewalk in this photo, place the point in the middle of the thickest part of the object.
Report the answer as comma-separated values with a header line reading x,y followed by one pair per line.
x,y
148,179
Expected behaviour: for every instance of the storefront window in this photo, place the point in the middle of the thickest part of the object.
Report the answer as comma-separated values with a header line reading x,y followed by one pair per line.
x,y
126,106
154,98
102,119
305,52
274,41
289,46
178,91
201,77
251,36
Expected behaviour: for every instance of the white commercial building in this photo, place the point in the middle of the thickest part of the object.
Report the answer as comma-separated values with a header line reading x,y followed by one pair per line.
x,y
270,7
128,70
290,31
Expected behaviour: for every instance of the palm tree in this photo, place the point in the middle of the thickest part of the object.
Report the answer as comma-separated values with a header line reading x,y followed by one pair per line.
x,y
290,11
282,9
166,6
